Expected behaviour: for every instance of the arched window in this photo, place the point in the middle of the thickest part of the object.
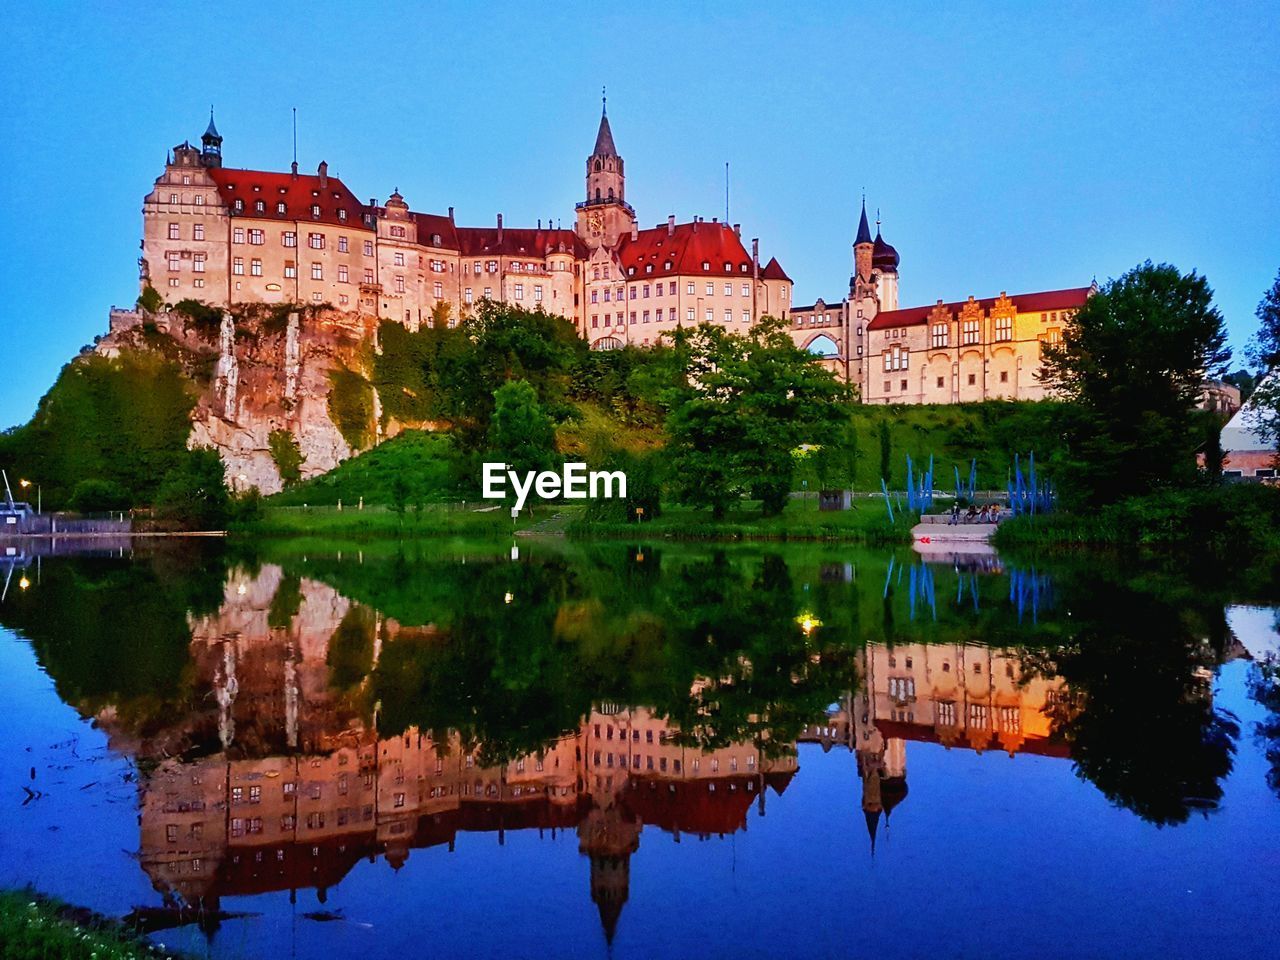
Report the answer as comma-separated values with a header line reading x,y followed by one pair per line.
x,y
611,193
823,346
599,166
607,343
597,193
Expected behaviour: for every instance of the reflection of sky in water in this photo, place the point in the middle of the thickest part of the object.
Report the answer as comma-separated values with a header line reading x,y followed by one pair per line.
x,y
987,854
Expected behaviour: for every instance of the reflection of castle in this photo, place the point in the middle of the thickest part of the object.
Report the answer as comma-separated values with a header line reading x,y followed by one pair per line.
x,y
300,789
959,695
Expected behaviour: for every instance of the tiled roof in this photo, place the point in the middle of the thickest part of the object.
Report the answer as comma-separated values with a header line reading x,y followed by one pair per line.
x,y
337,204
516,242
684,250
1071,298
773,271
434,225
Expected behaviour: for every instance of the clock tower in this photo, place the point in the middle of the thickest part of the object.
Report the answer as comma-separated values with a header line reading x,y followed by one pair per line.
x,y
605,215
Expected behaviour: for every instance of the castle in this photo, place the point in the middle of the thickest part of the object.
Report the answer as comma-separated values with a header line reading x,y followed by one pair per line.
x,y
228,236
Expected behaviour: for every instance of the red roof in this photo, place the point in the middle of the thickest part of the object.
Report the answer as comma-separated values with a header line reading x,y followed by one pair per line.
x,y
1024,302
299,194
684,251
516,242
433,224
773,271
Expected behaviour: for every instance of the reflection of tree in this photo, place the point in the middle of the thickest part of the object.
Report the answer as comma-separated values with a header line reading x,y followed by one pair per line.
x,y
1264,687
1139,716
112,633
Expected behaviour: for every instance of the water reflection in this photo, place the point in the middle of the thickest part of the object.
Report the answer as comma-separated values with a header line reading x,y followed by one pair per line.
x,y
294,716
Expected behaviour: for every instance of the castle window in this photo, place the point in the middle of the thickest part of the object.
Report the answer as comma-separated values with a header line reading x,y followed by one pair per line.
x,y
1004,328
317,271
488,293
746,289
280,208
368,248
342,273
399,283
342,244
595,320
519,291
706,265
289,239
728,315
260,206
238,206
342,215
537,293
746,316
1004,376
237,266
197,263
315,210
368,276
199,199
595,296
940,334
173,198
689,289
290,271
709,315
467,295
257,237
648,268
315,241
175,260
969,331
197,231
645,317
690,315
973,379
399,259
435,239
174,232
904,385
941,383
186,180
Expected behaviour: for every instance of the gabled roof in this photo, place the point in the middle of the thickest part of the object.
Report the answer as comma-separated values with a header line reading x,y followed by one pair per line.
x,y
1246,430
773,271
684,250
297,193
1069,299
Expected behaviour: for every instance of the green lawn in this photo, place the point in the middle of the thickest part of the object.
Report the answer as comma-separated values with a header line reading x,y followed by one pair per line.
x,y
36,928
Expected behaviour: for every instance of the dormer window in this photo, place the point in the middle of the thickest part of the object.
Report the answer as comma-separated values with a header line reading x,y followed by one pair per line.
x,y
259,206
239,205
667,265
648,268
342,215
728,267
315,210
280,208
706,265
315,193
435,239
744,268
631,271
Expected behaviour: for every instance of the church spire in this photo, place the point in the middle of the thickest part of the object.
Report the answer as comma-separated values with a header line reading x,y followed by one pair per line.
x,y
864,230
604,136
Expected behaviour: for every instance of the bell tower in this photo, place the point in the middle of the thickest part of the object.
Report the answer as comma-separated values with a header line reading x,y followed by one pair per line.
x,y
211,145
605,215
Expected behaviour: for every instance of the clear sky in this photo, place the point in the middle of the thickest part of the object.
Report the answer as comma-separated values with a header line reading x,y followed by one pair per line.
x,y
1010,146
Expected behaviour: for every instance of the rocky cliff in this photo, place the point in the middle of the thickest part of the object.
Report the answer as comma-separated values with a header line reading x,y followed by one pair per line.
x,y
260,370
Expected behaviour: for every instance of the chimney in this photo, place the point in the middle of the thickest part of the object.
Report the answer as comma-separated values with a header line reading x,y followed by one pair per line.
x,y
323,171
499,228
671,225
539,223
715,219
294,168
451,214
755,253
635,230
737,229
695,224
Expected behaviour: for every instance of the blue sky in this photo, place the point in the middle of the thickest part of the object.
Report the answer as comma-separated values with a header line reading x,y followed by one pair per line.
x,y
1010,146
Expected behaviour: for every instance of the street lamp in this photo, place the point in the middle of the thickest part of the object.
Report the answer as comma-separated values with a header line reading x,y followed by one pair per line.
x,y
39,493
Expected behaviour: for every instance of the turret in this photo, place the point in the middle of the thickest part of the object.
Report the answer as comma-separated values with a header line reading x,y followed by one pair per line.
x,y
211,144
863,246
604,217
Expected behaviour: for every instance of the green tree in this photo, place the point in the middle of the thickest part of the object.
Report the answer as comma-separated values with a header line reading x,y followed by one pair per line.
x,y
97,496
746,403
1264,350
399,495
287,455
150,301
1132,362
520,433
194,494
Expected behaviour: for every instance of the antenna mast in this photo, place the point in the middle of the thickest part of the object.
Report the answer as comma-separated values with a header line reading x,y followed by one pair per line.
x,y
726,191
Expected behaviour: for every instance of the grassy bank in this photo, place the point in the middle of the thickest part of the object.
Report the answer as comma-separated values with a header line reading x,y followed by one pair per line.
x,y
1231,524
868,523
432,520
33,927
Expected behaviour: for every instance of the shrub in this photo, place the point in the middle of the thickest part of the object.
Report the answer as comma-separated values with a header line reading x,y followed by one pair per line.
x,y
194,496
98,496
287,455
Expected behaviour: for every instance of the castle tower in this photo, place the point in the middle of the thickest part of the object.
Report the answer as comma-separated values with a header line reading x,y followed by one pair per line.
x,y
884,269
863,247
211,145
609,836
605,215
